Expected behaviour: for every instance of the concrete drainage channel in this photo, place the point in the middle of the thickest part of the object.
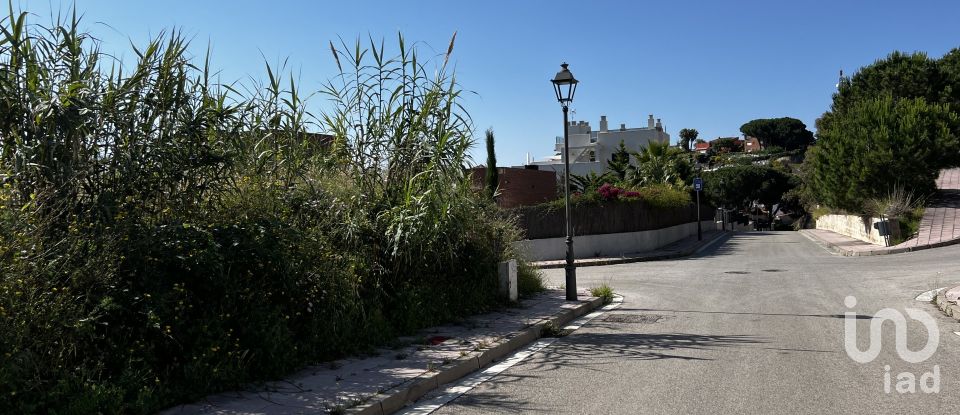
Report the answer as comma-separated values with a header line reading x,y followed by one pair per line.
x,y
455,391
396,399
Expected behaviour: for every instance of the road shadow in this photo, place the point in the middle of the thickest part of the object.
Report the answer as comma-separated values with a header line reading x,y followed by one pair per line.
x,y
839,316
732,242
592,350
602,352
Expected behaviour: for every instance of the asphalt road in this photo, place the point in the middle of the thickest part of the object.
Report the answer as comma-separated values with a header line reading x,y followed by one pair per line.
x,y
751,325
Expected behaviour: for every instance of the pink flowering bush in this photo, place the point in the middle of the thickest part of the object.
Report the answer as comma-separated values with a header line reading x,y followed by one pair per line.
x,y
609,192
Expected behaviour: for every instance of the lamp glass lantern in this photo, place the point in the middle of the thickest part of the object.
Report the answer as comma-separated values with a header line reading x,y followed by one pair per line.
x,y
565,85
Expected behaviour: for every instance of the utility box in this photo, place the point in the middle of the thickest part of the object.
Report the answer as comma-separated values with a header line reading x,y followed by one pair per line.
x,y
508,280
882,227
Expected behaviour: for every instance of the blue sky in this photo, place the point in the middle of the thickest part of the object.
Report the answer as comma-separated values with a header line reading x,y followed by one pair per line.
x,y
709,65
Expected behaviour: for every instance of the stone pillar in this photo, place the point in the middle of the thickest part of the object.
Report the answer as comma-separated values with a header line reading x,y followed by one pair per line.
x,y
508,280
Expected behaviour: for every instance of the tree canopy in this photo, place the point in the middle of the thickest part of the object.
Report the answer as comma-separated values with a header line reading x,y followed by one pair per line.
x,y
786,132
738,186
900,75
729,144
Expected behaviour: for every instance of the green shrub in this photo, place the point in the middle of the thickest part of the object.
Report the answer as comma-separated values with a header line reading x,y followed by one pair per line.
x,y
663,196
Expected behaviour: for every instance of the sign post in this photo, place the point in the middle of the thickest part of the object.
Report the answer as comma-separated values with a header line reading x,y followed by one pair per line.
x,y
698,186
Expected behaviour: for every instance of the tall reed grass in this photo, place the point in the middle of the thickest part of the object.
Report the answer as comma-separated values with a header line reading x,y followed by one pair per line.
x,y
163,236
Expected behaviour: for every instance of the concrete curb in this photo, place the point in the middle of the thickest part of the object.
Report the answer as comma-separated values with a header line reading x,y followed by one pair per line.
x,y
949,308
390,401
627,260
880,251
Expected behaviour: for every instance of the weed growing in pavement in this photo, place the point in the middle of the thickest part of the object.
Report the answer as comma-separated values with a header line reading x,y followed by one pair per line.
x,y
602,291
552,330
529,279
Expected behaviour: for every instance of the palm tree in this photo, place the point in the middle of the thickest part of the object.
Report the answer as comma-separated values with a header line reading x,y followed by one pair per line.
x,y
657,163
589,182
687,135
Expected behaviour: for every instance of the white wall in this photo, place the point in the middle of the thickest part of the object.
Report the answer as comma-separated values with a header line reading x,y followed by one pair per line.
x,y
633,139
857,227
611,244
575,168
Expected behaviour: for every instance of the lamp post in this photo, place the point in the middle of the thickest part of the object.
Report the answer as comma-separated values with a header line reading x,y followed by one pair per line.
x,y
723,208
565,85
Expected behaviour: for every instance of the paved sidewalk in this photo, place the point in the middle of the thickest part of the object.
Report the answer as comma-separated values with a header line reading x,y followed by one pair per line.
x,y
677,249
940,225
389,378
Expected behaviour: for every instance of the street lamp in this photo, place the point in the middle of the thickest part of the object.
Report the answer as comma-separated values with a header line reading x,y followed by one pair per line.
x,y
723,206
565,85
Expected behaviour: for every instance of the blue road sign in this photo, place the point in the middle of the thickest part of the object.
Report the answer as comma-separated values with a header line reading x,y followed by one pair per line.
x,y
697,184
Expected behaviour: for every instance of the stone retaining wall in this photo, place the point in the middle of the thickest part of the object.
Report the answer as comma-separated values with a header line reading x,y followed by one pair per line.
x,y
857,227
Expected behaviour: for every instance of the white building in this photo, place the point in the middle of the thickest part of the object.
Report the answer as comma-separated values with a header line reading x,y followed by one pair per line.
x,y
590,150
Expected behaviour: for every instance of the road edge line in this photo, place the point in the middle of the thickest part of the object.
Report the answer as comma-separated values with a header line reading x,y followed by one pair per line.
x,y
395,399
473,380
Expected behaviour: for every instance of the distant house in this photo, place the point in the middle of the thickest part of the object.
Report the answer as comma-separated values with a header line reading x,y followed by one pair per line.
x,y
520,186
591,149
752,144
701,148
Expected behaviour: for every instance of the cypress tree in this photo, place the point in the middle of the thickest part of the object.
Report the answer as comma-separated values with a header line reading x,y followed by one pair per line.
x,y
492,176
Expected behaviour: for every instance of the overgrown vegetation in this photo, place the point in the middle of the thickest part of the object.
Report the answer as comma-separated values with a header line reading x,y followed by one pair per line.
x,y
163,236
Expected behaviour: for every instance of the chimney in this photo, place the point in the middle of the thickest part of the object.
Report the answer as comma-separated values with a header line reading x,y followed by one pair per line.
x,y
623,127
603,123
650,122
659,126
